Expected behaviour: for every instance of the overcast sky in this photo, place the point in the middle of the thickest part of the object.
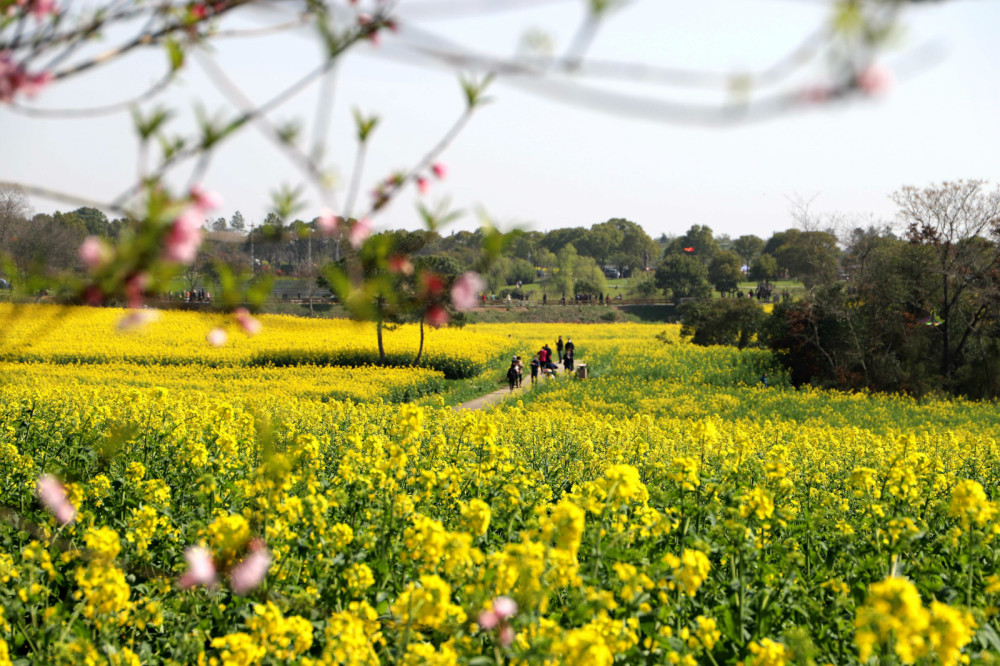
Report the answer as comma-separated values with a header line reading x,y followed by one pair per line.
x,y
539,159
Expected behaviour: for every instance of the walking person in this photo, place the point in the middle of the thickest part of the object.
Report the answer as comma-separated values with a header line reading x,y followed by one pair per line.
x,y
570,347
520,370
559,348
512,374
568,361
535,364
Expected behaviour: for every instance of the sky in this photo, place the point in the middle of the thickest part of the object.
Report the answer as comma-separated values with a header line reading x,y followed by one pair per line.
x,y
539,157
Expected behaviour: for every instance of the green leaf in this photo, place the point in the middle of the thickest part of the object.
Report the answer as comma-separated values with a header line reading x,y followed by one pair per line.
x,y
175,52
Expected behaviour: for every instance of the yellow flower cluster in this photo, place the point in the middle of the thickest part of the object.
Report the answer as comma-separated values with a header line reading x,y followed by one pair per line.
x,y
894,615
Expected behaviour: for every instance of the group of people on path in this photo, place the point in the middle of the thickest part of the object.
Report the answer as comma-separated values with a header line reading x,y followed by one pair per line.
x,y
542,362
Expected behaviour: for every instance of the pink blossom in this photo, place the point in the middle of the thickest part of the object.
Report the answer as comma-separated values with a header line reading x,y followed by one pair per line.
x,y
488,620
135,288
216,337
201,568
504,607
53,495
251,572
42,8
506,635
13,79
137,319
439,170
250,324
436,316
875,79
423,185
465,289
815,94
360,230
327,222
400,264
204,199
94,252
184,237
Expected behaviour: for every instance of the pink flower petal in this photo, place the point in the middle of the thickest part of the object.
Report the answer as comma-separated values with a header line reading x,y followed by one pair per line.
x,y
251,572
436,316
327,222
250,324
439,170
423,185
488,620
504,607
361,230
465,289
204,199
506,635
216,337
53,495
94,252
875,79
201,568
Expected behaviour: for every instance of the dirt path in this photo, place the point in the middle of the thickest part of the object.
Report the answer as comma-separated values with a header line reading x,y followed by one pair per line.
x,y
502,394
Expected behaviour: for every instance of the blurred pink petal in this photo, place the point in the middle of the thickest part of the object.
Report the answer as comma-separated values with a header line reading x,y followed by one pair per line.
x,y
437,316
94,252
135,289
251,572
465,290
137,319
423,185
504,607
875,79
53,495
400,264
439,170
327,221
204,199
216,337
201,568
506,635
250,324
361,230
488,620
184,238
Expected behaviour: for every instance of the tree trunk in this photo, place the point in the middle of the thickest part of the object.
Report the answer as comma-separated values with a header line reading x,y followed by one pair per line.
x,y
420,351
381,347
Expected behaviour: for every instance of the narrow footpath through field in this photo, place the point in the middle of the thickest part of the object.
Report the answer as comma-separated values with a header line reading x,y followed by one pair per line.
x,y
502,394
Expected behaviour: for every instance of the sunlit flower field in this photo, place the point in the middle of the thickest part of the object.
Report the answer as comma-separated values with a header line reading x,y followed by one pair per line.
x,y
166,501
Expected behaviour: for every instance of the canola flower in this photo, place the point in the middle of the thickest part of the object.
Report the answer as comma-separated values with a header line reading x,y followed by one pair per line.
x,y
703,506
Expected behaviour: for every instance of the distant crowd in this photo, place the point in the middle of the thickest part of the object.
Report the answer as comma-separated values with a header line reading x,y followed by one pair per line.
x,y
542,363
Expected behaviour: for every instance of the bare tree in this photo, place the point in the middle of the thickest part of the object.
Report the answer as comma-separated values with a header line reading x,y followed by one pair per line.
x,y
14,210
954,220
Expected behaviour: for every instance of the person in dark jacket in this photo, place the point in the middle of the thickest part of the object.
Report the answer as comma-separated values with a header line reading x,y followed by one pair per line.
x,y
559,348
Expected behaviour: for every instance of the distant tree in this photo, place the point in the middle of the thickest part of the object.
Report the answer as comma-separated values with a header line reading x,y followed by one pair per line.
x,y
440,264
727,321
959,223
236,222
683,276
724,271
748,247
498,274
764,267
14,210
94,220
697,242
811,256
521,271
219,224
563,281
588,277
557,239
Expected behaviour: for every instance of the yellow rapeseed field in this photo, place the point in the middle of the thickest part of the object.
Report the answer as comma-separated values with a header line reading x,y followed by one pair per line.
x,y
165,501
